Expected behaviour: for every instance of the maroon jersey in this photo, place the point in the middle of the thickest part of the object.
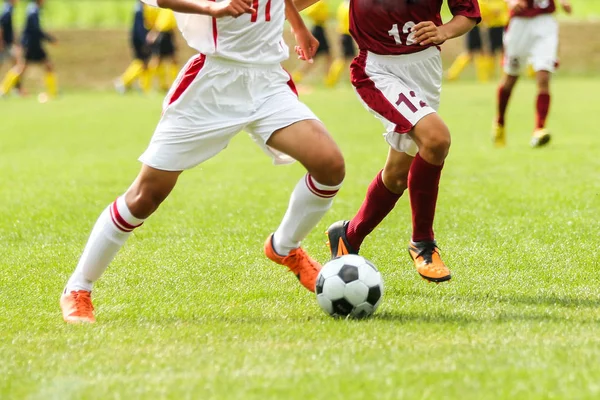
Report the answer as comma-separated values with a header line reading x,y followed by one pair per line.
x,y
535,8
383,26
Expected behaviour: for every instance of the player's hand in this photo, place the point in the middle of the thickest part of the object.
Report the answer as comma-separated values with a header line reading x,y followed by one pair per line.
x,y
232,8
307,45
566,6
428,33
517,6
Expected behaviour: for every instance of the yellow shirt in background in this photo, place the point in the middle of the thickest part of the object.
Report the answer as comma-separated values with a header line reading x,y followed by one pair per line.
x,y
494,13
343,17
150,14
318,13
165,22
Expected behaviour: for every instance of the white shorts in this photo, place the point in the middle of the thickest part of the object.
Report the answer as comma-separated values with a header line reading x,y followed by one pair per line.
x,y
211,101
399,90
533,40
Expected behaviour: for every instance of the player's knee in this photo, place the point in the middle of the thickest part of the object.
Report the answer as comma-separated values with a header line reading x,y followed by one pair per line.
x,y
437,145
331,171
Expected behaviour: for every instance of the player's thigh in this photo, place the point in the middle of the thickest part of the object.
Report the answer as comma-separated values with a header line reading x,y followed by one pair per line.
x,y
517,45
544,49
392,94
473,38
495,35
206,107
309,142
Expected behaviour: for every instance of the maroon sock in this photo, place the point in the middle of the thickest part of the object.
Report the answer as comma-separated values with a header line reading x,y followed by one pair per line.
x,y
503,96
378,203
542,106
423,184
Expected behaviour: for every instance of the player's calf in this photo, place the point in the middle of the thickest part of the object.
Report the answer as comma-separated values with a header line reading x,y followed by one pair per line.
x,y
149,190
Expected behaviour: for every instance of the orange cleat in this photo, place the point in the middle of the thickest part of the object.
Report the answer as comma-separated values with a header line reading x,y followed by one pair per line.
x,y
430,266
77,307
305,268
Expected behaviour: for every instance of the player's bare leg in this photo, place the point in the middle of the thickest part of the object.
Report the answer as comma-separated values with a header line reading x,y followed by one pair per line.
x,y
505,89
309,143
114,226
346,237
433,140
541,136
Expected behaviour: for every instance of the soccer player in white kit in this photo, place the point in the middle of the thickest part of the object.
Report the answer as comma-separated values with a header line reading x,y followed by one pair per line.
x,y
531,35
235,83
398,76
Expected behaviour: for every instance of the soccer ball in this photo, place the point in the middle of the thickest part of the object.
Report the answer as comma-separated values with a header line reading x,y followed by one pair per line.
x,y
349,286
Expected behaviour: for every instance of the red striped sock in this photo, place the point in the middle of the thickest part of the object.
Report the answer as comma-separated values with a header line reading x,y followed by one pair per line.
x,y
121,217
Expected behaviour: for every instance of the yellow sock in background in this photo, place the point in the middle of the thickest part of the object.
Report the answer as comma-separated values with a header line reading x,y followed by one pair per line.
x,y
8,83
51,84
147,78
490,63
335,71
482,68
458,66
161,73
132,72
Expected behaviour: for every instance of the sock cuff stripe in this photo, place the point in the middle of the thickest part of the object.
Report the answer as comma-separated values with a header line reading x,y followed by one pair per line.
x,y
326,194
118,219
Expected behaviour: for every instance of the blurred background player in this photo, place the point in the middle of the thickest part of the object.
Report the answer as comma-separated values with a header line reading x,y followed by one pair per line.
x,y
348,51
163,61
33,47
532,35
494,14
9,49
143,20
318,14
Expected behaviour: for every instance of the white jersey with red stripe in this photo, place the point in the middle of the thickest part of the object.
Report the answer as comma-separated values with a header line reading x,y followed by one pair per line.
x,y
251,38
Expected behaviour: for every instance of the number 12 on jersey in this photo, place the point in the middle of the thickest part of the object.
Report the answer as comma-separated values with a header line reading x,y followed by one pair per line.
x,y
406,29
254,17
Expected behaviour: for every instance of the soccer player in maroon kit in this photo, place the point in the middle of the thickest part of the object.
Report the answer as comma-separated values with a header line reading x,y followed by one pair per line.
x,y
532,34
398,76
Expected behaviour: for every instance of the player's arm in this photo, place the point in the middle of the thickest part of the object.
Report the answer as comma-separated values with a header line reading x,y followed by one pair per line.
x,y
1,39
302,4
233,8
466,15
566,5
307,44
517,6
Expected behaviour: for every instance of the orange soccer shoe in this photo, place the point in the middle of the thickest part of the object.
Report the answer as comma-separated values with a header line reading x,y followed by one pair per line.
x,y
430,266
305,268
77,307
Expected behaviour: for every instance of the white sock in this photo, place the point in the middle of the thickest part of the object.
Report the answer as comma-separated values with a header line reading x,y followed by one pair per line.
x,y
108,236
309,202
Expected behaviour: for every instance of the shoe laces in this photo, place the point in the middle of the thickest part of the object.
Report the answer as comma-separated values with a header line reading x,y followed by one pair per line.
x,y
83,301
301,259
426,251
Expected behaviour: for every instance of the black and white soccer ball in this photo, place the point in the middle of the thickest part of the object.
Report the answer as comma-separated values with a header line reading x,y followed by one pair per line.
x,y
349,286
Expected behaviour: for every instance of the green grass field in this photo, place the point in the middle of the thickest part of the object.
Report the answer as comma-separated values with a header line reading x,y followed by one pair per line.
x,y
192,309
118,13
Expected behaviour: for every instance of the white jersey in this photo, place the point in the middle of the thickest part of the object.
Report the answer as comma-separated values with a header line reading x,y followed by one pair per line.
x,y
250,38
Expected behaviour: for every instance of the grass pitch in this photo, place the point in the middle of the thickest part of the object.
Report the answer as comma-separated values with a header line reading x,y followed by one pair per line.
x,y
192,309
